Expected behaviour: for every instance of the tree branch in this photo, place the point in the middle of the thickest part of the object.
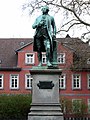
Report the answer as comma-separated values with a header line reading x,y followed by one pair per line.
x,y
68,27
69,22
73,11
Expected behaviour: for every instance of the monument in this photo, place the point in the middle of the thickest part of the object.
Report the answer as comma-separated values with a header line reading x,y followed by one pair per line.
x,y
45,85
45,35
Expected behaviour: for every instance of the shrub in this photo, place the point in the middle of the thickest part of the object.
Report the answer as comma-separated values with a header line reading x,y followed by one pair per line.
x,y
78,108
14,107
66,105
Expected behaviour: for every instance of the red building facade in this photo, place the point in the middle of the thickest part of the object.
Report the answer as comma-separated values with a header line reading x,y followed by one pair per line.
x,y
17,58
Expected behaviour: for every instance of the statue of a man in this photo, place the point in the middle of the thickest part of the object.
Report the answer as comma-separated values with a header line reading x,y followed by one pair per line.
x,y
44,35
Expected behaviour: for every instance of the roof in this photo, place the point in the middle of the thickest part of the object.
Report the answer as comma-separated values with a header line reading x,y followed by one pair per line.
x,y
24,45
74,44
9,47
81,52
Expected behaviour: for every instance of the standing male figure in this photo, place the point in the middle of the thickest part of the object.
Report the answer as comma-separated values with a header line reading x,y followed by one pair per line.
x,y
44,35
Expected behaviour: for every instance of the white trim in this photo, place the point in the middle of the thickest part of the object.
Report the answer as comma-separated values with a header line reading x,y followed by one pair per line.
x,y
30,61
88,101
88,61
30,81
64,80
76,99
14,81
44,57
78,106
88,81
76,79
61,59
2,81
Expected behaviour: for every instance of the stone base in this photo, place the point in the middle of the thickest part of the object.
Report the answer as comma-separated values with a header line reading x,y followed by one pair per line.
x,y
45,112
45,95
45,117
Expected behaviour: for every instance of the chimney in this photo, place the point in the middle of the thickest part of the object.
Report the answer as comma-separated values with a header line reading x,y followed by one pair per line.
x,y
67,36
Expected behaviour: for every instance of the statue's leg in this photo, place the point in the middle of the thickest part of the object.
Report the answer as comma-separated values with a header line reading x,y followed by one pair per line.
x,y
40,58
48,54
38,43
54,53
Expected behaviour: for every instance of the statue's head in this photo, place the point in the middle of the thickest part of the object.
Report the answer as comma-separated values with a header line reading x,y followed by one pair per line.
x,y
45,9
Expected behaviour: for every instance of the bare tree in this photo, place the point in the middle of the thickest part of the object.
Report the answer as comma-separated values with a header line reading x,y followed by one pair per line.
x,y
76,13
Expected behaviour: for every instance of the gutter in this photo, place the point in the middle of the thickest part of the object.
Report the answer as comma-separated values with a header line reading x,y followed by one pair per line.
x,y
10,69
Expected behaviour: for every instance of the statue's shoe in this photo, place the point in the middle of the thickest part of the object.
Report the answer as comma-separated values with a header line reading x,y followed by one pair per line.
x,y
49,64
40,64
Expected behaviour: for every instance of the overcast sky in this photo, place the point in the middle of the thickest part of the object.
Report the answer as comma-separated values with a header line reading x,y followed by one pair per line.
x,y
16,23
13,21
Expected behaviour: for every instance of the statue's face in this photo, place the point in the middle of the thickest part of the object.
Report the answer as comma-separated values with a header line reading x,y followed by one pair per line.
x,y
44,10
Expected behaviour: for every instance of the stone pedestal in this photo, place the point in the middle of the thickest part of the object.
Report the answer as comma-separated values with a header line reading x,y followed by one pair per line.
x,y
45,95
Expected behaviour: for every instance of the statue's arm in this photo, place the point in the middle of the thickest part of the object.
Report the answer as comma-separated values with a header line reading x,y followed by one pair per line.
x,y
54,27
35,25
38,23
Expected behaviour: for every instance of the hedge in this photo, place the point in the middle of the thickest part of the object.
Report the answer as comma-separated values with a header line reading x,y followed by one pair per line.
x,y
14,107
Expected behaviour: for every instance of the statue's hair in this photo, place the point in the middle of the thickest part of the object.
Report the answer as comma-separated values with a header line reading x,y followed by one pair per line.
x,y
46,7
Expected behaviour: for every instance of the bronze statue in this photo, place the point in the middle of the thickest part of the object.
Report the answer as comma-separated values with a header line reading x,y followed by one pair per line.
x,y
44,36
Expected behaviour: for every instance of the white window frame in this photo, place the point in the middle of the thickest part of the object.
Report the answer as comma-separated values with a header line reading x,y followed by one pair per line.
x,y
30,81
30,60
43,57
77,80
1,80
61,58
80,100
88,105
62,81
14,87
88,61
88,81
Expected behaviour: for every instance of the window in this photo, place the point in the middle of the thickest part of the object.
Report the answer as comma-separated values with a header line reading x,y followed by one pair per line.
x,y
1,81
89,105
43,58
77,103
88,80
88,61
14,81
61,58
29,58
62,81
76,81
28,81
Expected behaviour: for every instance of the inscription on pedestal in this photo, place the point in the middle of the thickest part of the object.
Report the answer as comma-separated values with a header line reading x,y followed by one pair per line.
x,y
45,85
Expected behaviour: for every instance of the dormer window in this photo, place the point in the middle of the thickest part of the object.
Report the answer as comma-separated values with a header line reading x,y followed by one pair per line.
x,y
22,43
88,61
29,58
61,58
43,58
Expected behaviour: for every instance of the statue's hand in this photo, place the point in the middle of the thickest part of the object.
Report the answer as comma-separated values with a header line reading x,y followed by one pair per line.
x,y
41,23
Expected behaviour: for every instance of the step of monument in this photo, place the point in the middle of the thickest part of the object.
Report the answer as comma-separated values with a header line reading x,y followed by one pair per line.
x,y
46,113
